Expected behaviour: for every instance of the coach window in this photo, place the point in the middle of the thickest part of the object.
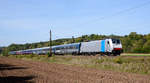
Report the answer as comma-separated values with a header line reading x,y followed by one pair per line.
x,y
113,41
107,42
118,41
73,47
58,48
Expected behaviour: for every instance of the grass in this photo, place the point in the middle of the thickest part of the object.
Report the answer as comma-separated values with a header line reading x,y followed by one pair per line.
x,y
134,54
129,64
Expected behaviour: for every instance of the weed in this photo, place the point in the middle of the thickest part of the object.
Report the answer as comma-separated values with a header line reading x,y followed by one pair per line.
x,y
98,61
118,60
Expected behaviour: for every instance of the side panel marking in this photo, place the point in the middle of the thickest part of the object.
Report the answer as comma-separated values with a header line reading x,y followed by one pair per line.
x,y
102,45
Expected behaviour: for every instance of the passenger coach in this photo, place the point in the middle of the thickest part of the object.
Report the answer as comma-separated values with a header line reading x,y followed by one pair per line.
x,y
104,47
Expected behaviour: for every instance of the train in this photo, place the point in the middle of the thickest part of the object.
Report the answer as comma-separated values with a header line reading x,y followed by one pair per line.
x,y
109,46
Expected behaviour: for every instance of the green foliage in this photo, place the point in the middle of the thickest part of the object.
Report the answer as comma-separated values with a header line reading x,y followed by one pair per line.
x,y
1,48
5,52
48,54
30,56
52,59
132,43
146,47
118,60
98,61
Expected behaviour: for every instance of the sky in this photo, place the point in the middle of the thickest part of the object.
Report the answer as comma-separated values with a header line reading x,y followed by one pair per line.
x,y
29,21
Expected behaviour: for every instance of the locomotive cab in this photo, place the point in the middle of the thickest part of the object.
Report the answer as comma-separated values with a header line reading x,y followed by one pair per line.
x,y
114,46
117,46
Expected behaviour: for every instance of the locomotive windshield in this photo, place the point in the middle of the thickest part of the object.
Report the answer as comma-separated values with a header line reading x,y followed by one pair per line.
x,y
115,41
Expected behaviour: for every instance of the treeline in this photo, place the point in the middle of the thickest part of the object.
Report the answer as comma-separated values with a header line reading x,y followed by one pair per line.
x,y
132,43
136,43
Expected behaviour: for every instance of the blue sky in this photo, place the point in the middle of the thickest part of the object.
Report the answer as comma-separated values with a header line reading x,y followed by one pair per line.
x,y
27,21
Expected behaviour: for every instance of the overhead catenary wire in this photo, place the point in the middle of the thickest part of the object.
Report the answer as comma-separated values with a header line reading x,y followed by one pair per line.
x,y
117,13
114,14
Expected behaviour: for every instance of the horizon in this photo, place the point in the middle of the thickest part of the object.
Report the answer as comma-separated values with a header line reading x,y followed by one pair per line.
x,y
67,38
29,21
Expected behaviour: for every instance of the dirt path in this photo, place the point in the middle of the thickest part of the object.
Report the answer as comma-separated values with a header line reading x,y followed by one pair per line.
x,y
23,71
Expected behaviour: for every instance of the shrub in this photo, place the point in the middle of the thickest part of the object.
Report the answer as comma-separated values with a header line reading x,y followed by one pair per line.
x,y
98,61
29,56
118,60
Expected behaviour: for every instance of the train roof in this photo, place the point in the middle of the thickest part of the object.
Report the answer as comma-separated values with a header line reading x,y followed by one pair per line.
x,y
49,47
40,48
72,44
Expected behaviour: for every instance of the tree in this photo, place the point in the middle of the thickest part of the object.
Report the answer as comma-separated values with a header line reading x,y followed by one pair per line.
x,y
5,51
1,49
138,46
146,47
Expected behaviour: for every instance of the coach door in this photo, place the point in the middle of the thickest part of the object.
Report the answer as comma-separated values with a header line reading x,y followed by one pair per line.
x,y
108,48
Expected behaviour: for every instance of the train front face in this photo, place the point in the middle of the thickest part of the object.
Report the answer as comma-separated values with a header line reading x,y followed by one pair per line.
x,y
117,47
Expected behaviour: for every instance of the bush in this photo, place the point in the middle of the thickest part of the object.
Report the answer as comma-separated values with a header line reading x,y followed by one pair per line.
x,y
52,59
98,61
29,56
5,52
118,60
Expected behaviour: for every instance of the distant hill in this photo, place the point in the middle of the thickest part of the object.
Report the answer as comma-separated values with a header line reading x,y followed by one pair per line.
x,y
132,43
